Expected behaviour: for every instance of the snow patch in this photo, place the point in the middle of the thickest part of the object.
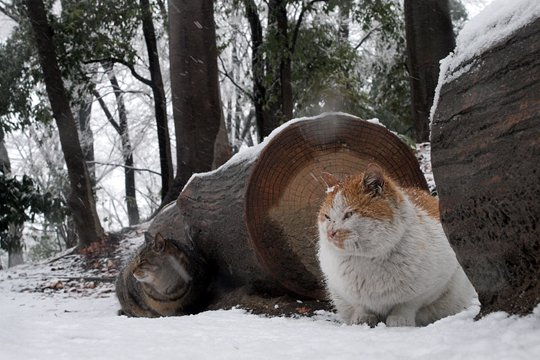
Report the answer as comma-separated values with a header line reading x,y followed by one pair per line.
x,y
494,24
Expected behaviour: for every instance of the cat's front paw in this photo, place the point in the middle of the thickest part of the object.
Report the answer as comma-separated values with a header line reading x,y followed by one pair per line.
x,y
398,320
363,318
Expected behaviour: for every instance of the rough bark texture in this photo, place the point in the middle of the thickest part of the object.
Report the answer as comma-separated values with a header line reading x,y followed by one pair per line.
x,y
254,219
194,86
257,65
222,145
281,92
84,115
430,38
81,201
5,164
160,100
485,155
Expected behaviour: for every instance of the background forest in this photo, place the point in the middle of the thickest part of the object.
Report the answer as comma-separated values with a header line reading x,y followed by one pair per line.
x,y
151,100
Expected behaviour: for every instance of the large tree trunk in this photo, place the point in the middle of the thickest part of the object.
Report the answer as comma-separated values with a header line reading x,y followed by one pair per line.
x,y
262,115
280,67
430,38
254,219
81,201
485,156
195,89
160,100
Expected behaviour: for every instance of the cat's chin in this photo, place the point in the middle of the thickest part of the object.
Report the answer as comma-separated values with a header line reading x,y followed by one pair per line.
x,y
349,251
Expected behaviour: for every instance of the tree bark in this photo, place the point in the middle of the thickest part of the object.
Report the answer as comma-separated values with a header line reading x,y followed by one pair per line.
x,y
485,156
195,88
254,218
84,115
257,67
430,37
81,201
15,250
160,100
5,164
279,65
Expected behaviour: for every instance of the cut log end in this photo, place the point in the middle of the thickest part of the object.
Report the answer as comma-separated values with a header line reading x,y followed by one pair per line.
x,y
286,189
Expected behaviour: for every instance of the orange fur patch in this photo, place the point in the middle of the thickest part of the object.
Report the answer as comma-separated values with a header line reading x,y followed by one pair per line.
x,y
424,201
362,201
365,204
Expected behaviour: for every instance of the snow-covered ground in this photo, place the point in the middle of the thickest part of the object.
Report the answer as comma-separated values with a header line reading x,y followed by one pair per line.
x,y
45,326
65,308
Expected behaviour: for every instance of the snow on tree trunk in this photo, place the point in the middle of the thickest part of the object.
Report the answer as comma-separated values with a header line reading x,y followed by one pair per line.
x,y
254,218
486,151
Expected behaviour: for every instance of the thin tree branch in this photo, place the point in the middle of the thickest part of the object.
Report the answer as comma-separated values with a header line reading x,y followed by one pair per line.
x,y
228,76
366,37
124,166
107,112
130,66
305,8
5,9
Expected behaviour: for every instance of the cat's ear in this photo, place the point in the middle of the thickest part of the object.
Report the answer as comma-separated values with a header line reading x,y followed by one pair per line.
x,y
158,243
148,239
374,179
329,179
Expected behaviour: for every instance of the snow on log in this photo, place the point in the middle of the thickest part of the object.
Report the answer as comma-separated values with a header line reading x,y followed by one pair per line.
x,y
486,153
255,217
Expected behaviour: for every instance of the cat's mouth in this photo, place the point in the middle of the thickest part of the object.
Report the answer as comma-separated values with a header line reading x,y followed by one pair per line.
x,y
339,238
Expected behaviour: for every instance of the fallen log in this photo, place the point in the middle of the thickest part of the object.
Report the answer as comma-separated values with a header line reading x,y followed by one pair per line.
x,y
254,218
485,156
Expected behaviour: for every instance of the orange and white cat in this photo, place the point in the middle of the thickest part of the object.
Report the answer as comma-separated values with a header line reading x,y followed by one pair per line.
x,y
384,254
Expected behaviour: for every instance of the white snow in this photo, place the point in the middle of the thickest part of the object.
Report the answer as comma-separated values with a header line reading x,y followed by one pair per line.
x,y
423,155
45,326
494,24
70,319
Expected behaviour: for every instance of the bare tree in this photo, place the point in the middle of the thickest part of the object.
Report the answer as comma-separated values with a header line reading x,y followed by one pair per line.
x,y
122,129
430,38
81,201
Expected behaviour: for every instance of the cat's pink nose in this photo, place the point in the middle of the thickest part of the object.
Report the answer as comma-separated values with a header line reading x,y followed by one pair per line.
x,y
332,233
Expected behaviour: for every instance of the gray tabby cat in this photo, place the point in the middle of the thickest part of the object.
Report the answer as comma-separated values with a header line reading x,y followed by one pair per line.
x,y
164,278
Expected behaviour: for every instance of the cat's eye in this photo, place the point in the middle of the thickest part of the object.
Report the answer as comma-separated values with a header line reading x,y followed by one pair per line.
x,y
347,215
327,217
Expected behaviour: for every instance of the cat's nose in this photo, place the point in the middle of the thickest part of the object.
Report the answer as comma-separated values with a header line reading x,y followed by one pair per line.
x,y
331,233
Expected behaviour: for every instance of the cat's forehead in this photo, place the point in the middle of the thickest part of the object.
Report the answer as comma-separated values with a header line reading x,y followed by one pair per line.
x,y
334,201
339,202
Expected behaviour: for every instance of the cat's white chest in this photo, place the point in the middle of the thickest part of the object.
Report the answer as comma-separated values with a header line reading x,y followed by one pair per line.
x,y
359,281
